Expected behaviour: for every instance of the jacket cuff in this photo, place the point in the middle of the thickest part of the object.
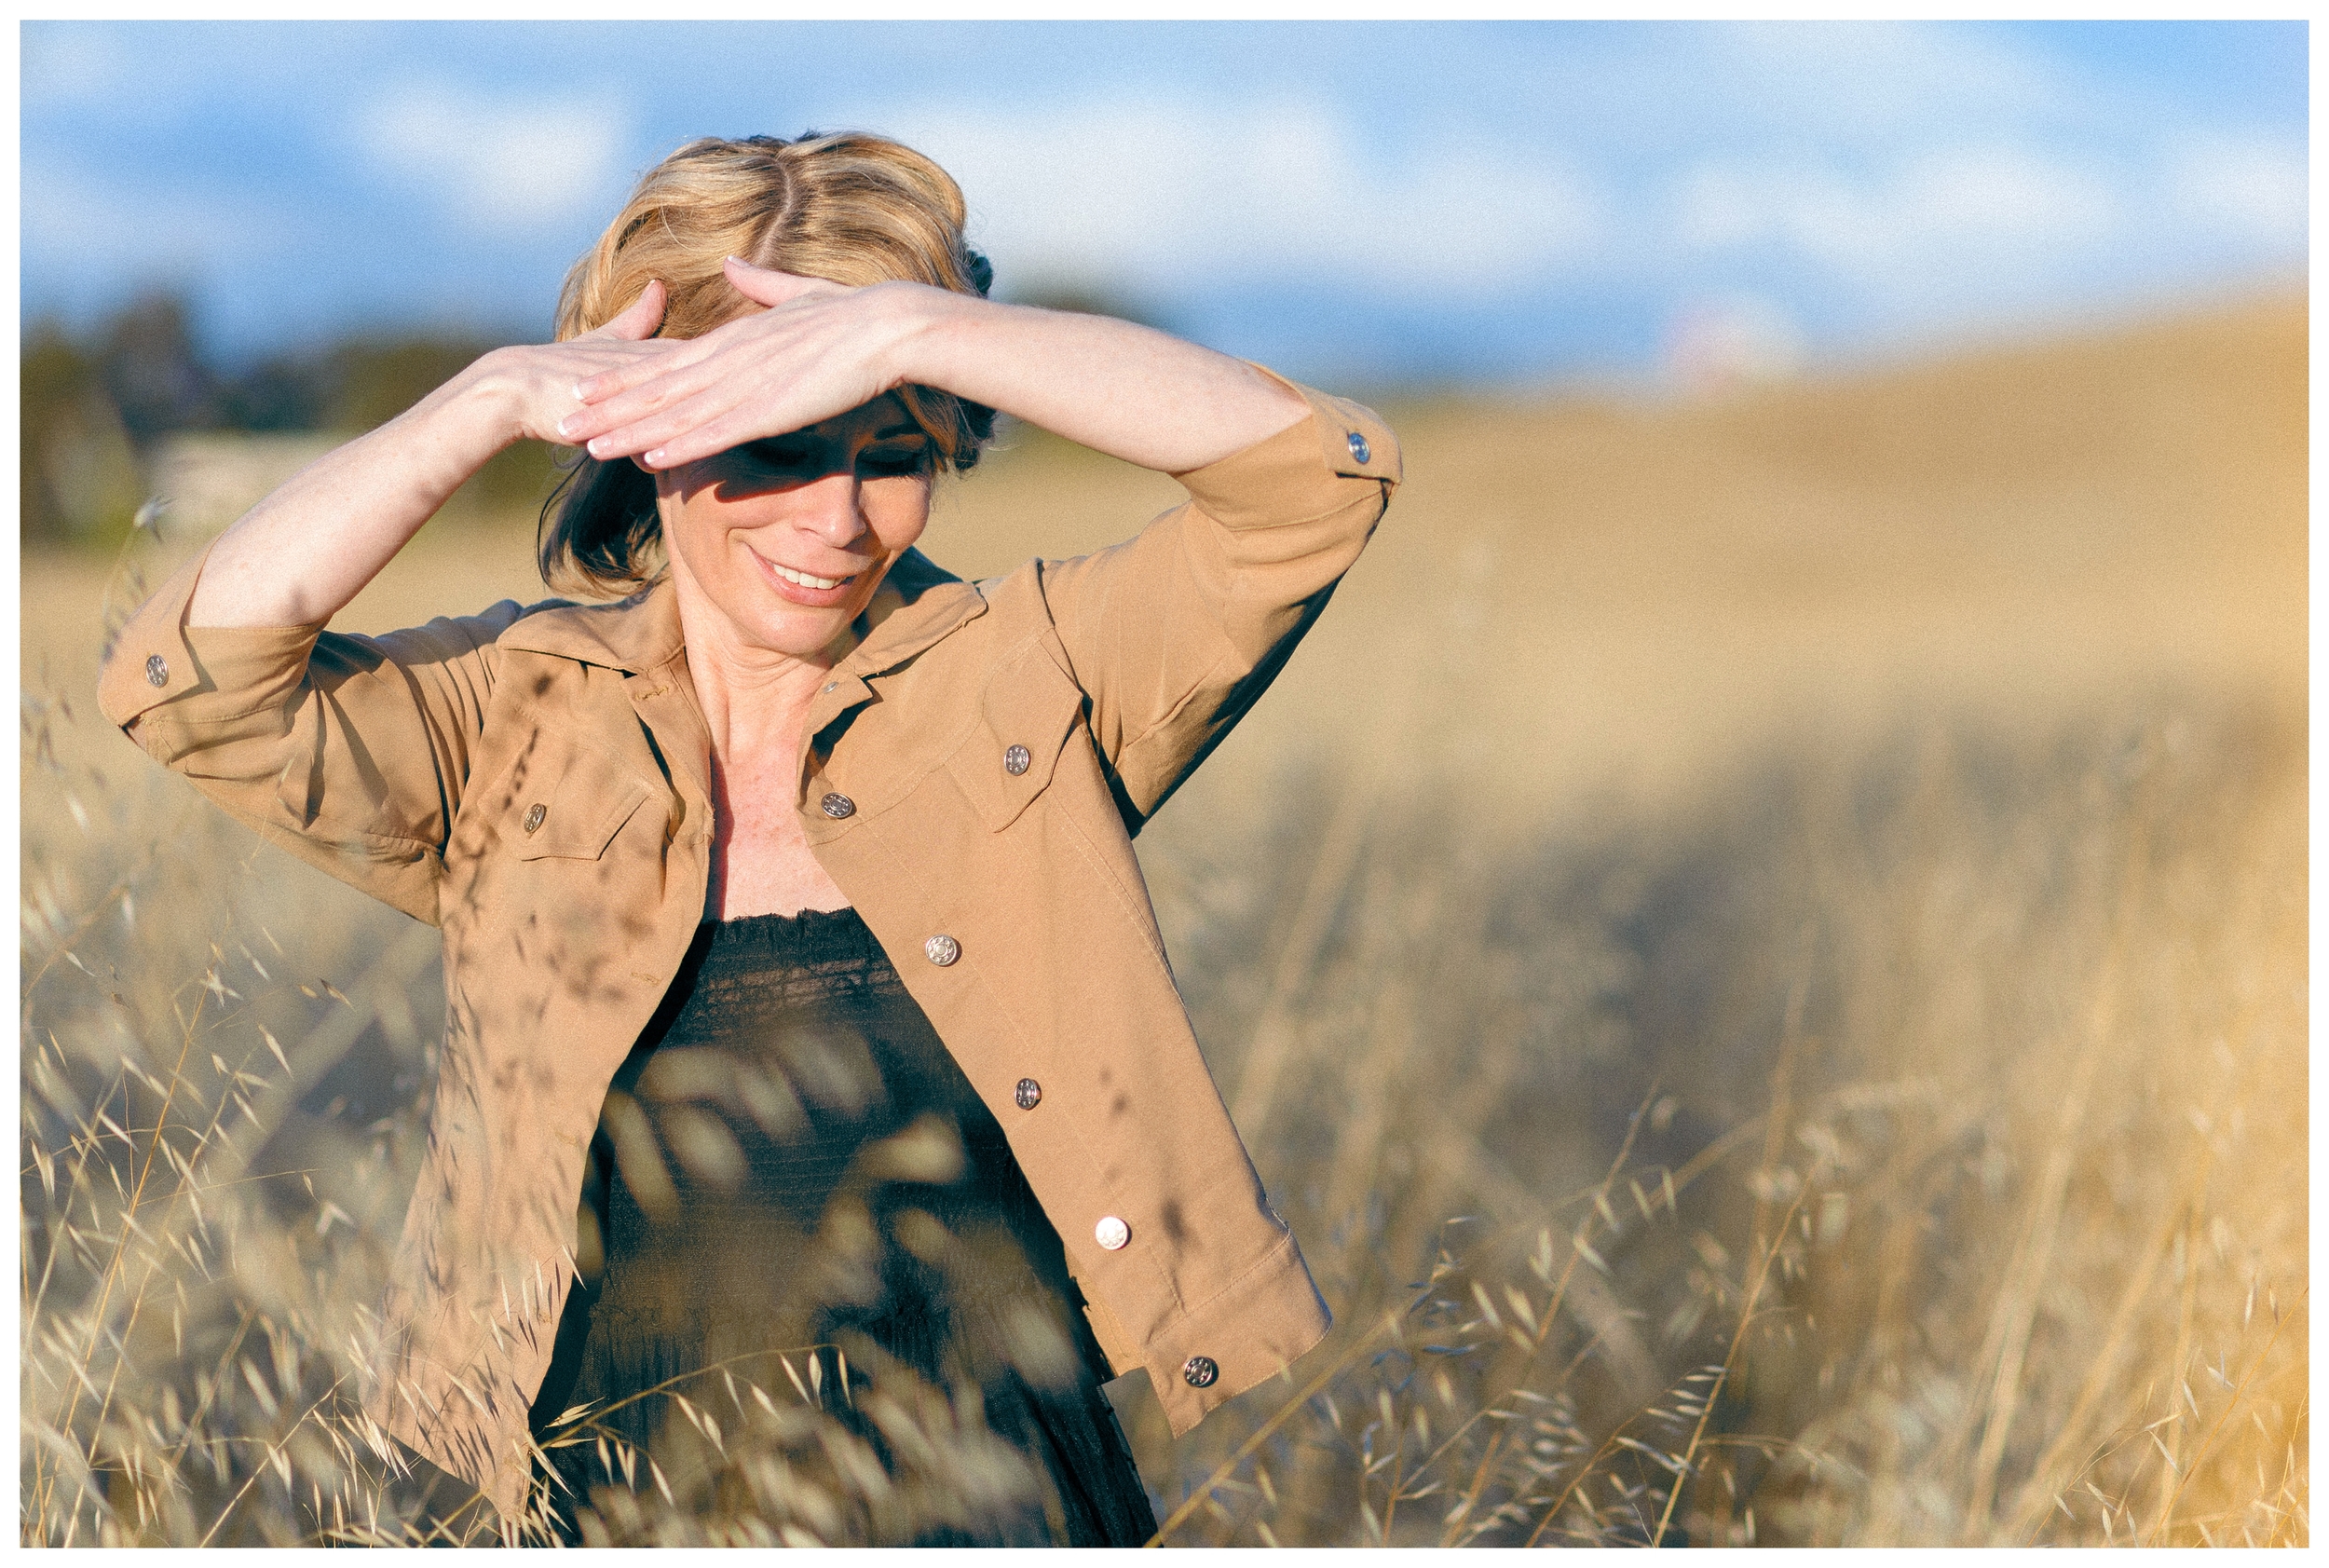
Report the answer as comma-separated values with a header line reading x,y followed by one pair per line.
x,y
1340,453
1241,1339
157,659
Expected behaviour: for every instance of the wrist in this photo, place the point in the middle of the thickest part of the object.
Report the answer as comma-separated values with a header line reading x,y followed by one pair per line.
x,y
919,323
487,400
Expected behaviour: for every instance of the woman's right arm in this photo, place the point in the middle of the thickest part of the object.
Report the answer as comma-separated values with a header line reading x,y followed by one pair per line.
x,y
352,753
300,555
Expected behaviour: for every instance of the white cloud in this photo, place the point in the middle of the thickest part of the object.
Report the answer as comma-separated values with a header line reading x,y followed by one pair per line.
x,y
67,63
502,162
77,220
1864,77
2244,188
1862,178
1161,196
1938,210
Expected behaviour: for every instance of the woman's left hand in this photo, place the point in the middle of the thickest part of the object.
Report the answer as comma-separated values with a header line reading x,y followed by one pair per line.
x,y
819,349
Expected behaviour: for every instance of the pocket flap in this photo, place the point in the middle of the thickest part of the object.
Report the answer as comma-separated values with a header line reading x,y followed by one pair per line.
x,y
1027,712
577,818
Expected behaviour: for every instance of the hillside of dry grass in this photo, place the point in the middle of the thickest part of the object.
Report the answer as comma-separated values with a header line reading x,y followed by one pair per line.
x,y
1760,946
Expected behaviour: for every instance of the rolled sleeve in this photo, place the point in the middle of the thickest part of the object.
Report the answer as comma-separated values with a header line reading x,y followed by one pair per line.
x,y
351,752
184,677
1341,457
1175,633
1251,1332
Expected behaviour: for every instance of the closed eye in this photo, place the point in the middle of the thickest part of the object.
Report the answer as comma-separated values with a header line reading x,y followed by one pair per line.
x,y
788,454
887,461
780,454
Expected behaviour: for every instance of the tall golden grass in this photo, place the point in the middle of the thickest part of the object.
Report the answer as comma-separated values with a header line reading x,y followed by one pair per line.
x,y
1761,947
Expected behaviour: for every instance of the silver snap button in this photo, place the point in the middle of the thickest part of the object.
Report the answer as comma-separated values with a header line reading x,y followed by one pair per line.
x,y
1199,1372
833,685
1359,448
942,950
1015,760
534,815
1029,1094
157,671
837,806
1112,1234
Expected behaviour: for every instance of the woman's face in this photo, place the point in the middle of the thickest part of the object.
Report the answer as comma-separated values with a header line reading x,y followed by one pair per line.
x,y
788,538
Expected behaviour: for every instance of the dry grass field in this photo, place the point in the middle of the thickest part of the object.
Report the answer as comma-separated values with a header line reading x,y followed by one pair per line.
x,y
1761,946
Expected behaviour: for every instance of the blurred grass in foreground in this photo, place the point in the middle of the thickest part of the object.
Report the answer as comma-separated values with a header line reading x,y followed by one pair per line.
x,y
1761,944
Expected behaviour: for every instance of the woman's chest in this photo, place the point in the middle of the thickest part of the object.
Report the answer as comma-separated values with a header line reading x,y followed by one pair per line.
x,y
761,863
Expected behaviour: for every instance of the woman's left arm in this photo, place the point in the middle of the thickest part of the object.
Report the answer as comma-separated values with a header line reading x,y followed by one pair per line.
x,y
821,349
1173,633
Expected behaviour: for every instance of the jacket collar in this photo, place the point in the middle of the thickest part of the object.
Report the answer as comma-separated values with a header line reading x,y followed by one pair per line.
x,y
918,602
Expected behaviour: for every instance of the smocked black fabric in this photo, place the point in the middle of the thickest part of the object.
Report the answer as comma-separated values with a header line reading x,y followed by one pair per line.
x,y
795,1188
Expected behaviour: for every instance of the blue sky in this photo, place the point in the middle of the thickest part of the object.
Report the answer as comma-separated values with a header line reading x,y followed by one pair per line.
x,y
1359,202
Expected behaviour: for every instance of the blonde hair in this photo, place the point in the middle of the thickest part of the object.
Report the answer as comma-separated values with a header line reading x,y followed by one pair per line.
x,y
852,207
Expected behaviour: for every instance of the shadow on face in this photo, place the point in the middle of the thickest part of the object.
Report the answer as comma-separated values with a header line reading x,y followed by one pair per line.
x,y
874,442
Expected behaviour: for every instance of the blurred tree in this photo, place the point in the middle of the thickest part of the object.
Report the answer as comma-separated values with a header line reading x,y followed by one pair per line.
x,y
373,379
276,394
96,408
150,370
77,477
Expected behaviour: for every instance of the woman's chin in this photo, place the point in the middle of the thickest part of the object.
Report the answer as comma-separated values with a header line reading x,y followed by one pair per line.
x,y
799,633
817,632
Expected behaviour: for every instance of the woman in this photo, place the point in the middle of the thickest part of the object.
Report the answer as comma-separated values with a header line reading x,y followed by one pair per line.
x,y
801,985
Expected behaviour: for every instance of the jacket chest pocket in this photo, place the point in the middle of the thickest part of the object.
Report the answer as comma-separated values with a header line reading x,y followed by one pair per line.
x,y
506,874
1027,712
571,812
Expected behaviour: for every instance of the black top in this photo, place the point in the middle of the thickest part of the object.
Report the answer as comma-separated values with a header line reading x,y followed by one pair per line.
x,y
791,1168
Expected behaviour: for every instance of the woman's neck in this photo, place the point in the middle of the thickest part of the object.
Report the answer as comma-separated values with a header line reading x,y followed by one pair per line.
x,y
756,704
753,698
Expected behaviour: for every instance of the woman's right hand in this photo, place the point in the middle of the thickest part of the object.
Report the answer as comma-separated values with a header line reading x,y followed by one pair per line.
x,y
301,554
536,382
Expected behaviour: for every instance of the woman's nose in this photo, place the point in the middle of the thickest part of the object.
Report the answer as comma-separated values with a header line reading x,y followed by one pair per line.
x,y
829,509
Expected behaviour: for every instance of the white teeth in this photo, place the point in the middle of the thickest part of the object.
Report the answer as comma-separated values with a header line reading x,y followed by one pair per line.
x,y
804,580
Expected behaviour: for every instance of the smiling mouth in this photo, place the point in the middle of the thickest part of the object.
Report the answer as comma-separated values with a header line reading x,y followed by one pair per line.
x,y
804,580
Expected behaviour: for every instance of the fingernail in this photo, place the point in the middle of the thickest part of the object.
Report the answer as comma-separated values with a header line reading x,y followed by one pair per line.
x,y
593,446
566,426
577,391
655,459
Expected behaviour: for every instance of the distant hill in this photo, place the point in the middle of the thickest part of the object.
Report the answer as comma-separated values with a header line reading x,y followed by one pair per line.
x,y
1588,594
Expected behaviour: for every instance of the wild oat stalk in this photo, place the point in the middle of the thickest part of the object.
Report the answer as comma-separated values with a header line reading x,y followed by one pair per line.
x,y
1764,1238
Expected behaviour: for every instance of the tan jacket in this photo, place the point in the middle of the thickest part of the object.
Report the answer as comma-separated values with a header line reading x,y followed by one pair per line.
x,y
535,782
